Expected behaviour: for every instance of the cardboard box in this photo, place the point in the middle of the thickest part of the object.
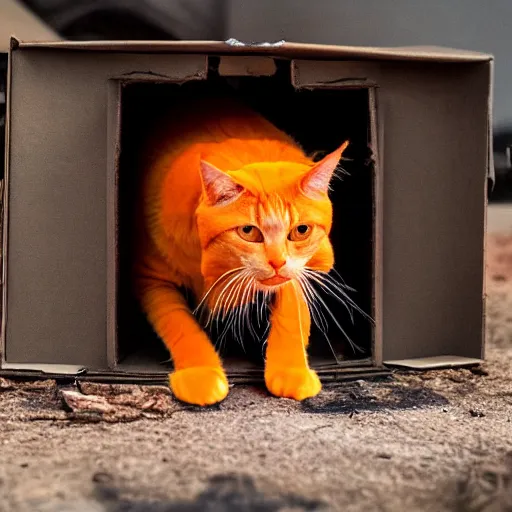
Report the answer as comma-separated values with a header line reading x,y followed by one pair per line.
x,y
409,215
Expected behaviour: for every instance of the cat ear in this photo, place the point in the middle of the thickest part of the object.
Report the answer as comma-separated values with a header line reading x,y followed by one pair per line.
x,y
218,187
316,182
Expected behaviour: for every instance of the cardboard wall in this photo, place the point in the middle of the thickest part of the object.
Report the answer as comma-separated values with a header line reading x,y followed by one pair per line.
x,y
434,122
433,118
57,238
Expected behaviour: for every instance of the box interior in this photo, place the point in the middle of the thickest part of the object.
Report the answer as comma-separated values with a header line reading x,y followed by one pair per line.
x,y
320,120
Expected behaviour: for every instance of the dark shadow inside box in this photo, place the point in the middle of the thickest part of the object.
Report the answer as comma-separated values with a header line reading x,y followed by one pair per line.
x,y
320,120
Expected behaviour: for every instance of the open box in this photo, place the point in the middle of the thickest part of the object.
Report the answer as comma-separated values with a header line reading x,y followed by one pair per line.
x,y
409,214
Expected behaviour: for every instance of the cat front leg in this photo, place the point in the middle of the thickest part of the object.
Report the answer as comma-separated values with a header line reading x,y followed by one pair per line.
x,y
198,376
287,372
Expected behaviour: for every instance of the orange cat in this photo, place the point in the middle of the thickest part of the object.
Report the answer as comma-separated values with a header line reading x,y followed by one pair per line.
x,y
231,206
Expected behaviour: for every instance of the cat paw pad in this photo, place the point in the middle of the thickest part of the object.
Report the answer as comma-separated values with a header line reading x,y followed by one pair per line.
x,y
202,385
296,383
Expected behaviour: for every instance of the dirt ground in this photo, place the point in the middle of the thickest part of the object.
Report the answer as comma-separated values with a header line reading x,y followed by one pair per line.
x,y
435,441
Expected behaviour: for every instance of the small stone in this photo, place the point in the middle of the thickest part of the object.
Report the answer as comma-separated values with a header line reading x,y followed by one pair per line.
x,y
478,370
476,413
6,385
386,456
102,478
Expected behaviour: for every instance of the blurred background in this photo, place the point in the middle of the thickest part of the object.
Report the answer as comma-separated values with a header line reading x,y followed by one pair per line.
x,y
466,24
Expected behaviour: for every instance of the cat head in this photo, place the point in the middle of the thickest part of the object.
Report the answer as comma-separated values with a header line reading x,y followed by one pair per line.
x,y
264,225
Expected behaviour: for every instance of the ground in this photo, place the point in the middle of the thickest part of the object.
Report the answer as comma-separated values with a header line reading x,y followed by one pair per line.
x,y
434,441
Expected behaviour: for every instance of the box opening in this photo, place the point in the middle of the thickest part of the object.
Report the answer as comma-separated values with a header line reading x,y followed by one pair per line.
x,y
320,120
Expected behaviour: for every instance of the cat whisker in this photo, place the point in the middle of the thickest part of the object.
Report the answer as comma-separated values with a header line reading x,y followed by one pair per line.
x,y
330,285
212,287
341,281
318,298
231,311
333,293
257,304
316,313
259,307
338,174
241,310
220,305
218,301
249,302
310,297
223,307
298,292
265,341
340,278
264,302
233,306
230,308
227,326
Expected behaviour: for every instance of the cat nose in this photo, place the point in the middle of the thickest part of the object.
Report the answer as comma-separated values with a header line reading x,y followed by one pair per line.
x,y
277,264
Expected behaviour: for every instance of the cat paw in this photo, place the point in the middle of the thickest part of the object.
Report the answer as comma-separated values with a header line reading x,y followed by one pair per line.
x,y
201,385
296,383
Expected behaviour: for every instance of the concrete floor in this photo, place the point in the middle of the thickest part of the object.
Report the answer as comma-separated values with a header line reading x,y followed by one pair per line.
x,y
499,218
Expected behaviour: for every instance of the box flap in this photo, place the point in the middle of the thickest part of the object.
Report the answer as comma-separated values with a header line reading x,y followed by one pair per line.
x,y
54,369
428,363
17,20
278,49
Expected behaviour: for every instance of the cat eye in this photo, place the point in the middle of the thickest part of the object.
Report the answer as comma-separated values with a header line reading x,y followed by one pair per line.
x,y
250,233
300,233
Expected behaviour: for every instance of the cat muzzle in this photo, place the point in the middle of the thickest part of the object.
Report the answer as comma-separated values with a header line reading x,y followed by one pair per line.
x,y
275,280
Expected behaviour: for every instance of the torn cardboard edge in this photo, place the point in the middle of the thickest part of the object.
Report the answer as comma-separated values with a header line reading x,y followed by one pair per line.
x,y
285,49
